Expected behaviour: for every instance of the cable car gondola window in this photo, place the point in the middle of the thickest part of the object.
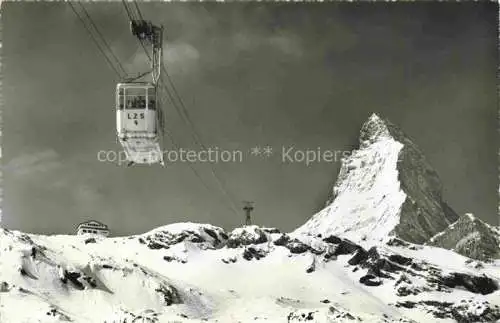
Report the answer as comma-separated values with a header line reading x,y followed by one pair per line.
x,y
151,98
130,103
152,104
120,101
135,98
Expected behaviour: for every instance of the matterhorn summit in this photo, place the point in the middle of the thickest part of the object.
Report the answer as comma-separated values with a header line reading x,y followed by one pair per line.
x,y
385,189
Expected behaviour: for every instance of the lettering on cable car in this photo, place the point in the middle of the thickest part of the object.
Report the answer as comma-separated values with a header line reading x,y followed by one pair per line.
x,y
135,115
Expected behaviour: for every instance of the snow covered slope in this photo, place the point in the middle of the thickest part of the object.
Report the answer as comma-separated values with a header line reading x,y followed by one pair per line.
x,y
198,273
384,188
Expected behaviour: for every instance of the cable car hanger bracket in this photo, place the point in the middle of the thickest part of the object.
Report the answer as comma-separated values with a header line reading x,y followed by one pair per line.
x,y
145,31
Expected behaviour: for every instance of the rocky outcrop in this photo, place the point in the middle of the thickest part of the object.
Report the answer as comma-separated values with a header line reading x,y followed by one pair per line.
x,y
205,236
470,237
245,236
465,311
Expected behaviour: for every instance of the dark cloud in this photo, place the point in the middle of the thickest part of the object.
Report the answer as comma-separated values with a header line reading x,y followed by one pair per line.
x,y
249,74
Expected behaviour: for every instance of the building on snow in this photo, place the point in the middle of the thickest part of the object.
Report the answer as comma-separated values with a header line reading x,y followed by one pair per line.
x,y
92,227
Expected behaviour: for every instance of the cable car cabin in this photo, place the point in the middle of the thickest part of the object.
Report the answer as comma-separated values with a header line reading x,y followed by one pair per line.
x,y
137,122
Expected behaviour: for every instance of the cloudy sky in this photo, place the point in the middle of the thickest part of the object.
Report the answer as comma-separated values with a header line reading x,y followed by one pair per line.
x,y
250,75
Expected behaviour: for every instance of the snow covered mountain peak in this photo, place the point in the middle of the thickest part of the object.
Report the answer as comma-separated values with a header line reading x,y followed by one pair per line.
x,y
374,129
385,188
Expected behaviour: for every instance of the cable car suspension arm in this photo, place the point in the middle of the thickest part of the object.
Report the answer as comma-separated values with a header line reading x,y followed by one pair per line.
x,y
145,31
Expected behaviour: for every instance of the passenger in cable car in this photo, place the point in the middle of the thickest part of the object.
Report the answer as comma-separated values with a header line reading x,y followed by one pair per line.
x,y
142,102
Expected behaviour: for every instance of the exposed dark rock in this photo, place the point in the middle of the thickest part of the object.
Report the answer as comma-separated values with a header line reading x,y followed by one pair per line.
x,y
403,279
376,265
282,240
403,261
406,304
297,246
316,251
170,259
405,291
382,265
397,243
155,245
475,284
416,266
187,235
193,237
332,239
330,254
370,280
73,275
312,267
345,247
56,312
213,235
405,287
360,256
252,253
230,260
170,295
271,230
73,278
91,281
